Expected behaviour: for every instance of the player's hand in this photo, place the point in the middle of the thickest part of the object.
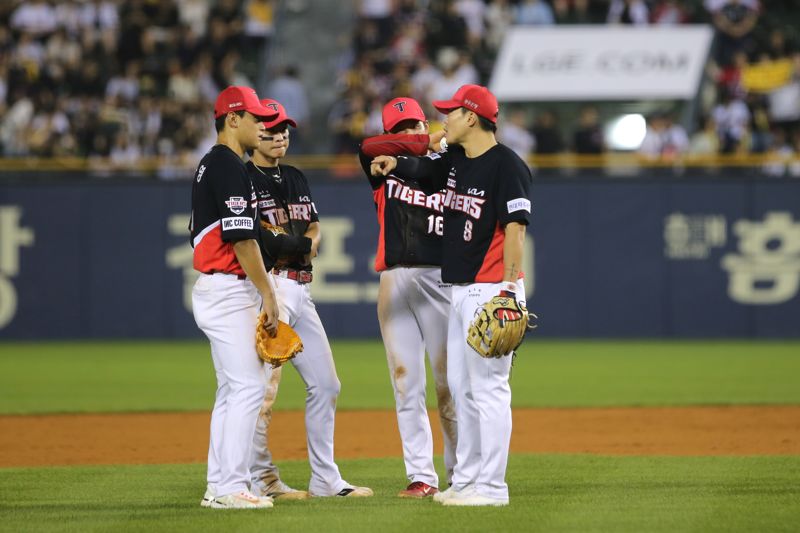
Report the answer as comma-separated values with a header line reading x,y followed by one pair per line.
x,y
270,307
382,165
434,144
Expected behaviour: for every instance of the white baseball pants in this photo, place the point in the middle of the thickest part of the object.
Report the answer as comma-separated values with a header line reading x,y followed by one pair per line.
x,y
413,305
482,397
316,367
226,310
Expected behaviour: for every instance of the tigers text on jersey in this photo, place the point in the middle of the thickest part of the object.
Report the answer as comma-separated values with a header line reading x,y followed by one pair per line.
x,y
223,211
284,199
410,220
483,194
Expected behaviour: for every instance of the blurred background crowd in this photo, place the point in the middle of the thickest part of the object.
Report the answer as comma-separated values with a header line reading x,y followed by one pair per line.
x,y
126,79
123,79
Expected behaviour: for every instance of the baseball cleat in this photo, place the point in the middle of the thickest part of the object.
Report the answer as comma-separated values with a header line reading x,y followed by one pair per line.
x,y
241,500
278,490
356,492
208,497
347,492
418,489
449,494
475,500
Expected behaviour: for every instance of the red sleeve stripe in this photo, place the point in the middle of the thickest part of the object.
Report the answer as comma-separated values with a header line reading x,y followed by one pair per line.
x,y
380,205
204,232
491,270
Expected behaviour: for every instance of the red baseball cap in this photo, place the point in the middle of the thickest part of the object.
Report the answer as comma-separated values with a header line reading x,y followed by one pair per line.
x,y
241,99
475,98
274,105
400,109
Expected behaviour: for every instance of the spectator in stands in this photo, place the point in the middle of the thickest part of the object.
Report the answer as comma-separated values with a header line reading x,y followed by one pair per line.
x,y
499,18
784,101
346,121
408,44
729,76
779,155
664,140
547,134
445,27
258,27
670,13
101,15
732,118
759,128
287,89
778,46
379,11
572,12
513,132
473,13
34,17
367,38
734,21
705,141
124,153
588,138
127,86
633,12
535,13
453,74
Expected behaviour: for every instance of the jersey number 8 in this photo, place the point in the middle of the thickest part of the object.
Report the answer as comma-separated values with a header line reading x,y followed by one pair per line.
x,y
436,224
468,230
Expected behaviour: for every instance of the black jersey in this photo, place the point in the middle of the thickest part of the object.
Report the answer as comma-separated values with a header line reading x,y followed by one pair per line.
x,y
410,221
223,211
484,194
284,200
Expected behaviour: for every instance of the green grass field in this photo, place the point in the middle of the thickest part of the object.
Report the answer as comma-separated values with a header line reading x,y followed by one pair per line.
x,y
549,492
178,376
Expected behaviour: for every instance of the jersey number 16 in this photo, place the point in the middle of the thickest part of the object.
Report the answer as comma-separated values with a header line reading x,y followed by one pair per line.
x,y
436,224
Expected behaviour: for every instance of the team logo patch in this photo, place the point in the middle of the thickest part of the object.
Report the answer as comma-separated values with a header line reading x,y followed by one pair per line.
x,y
519,204
232,223
236,204
399,106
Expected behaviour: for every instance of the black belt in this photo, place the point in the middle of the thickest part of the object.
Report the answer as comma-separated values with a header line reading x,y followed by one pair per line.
x,y
240,277
300,276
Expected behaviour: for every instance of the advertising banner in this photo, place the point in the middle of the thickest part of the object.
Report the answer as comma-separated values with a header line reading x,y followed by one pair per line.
x,y
603,258
600,63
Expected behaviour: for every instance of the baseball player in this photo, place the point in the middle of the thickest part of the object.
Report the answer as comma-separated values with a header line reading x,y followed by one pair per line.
x,y
231,289
291,241
486,212
413,302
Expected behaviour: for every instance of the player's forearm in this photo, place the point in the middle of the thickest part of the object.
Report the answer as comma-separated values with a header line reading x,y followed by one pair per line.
x,y
512,251
422,168
396,144
249,256
313,232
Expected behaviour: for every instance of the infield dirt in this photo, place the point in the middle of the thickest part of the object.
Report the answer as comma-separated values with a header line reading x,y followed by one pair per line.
x,y
155,438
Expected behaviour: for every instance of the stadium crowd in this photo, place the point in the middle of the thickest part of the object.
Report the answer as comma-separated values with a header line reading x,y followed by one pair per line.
x,y
428,49
121,79
125,79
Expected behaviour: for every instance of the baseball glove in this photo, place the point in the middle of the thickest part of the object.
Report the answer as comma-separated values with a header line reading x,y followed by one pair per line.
x,y
499,326
280,348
